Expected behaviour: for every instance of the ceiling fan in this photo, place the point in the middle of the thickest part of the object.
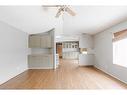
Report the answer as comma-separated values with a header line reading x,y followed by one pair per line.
x,y
62,9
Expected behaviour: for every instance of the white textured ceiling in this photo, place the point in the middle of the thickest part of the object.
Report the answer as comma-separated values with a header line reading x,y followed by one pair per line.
x,y
94,19
89,19
30,19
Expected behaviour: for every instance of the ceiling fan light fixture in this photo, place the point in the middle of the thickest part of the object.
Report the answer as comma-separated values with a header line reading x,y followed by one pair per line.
x,y
62,9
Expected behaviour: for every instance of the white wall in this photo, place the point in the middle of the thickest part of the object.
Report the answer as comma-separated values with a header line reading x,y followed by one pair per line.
x,y
103,49
85,41
13,52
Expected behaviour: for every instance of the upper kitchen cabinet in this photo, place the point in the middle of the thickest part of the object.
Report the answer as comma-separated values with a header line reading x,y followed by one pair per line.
x,y
40,40
45,41
86,41
34,41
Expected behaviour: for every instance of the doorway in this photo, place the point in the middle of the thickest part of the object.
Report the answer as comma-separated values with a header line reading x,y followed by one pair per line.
x,y
59,49
67,52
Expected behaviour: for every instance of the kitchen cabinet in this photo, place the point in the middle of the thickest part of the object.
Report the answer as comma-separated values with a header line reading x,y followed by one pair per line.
x,y
40,41
43,54
40,61
34,41
70,50
45,41
86,59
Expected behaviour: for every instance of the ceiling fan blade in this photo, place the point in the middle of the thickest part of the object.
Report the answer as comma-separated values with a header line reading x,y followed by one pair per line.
x,y
71,12
58,13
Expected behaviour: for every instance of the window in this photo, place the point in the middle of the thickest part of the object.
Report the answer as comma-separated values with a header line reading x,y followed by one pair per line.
x,y
120,48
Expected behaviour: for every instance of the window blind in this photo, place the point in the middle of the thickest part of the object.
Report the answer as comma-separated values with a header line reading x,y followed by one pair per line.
x,y
119,35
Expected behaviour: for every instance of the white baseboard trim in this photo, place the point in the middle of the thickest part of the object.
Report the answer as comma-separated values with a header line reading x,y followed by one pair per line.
x,y
40,68
85,65
110,75
13,76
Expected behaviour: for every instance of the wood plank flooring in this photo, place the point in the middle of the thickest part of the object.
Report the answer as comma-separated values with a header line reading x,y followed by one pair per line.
x,y
68,76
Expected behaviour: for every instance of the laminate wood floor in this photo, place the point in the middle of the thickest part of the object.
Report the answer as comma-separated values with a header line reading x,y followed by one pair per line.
x,y
68,76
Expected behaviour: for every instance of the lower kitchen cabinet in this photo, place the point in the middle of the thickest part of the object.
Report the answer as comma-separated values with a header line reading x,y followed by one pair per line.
x,y
86,59
44,61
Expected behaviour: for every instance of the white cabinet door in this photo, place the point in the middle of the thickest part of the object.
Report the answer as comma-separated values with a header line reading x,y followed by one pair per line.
x,y
31,61
37,41
40,61
46,60
86,59
48,38
34,41
45,41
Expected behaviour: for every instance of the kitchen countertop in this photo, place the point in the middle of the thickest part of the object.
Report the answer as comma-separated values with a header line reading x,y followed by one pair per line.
x,y
40,54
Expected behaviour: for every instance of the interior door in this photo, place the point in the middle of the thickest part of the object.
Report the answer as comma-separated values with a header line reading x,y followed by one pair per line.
x,y
59,50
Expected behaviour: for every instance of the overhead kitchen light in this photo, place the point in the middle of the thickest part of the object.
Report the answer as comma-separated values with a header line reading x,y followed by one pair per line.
x,y
83,50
